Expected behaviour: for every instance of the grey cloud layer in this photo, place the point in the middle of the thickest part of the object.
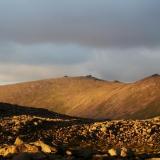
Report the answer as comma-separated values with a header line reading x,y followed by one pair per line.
x,y
43,54
112,64
96,23
125,65
112,39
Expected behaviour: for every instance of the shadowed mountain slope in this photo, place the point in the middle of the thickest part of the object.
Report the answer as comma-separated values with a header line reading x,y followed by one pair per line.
x,y
88,97
7,110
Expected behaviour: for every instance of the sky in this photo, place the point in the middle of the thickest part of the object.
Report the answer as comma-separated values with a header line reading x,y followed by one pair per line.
x,y
109,39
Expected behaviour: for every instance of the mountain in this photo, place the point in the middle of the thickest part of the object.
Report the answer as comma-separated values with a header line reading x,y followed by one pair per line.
x,y
89,97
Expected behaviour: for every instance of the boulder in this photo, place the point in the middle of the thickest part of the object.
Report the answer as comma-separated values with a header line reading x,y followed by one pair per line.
x,y
124,152
68,152
45,147
9,150
18,141
28,148
113,152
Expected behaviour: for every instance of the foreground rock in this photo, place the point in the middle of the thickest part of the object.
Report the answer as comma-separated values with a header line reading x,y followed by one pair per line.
x,y
31,137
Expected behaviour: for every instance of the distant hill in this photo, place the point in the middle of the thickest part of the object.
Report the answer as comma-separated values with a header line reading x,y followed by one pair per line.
x,y
89,97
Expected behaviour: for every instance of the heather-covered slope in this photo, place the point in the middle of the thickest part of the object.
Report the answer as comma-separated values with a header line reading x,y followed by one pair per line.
x,y
88,97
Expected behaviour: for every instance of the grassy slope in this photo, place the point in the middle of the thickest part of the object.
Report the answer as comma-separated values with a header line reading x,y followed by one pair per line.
x,y
88,97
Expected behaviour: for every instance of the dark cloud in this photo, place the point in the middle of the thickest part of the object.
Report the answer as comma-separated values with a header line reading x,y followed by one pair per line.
x,y
108,38
96,23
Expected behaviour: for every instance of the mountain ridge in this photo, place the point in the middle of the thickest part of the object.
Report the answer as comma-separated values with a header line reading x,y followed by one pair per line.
x,y
88,97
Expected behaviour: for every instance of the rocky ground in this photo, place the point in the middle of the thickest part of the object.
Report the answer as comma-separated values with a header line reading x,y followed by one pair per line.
x,y
27,136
